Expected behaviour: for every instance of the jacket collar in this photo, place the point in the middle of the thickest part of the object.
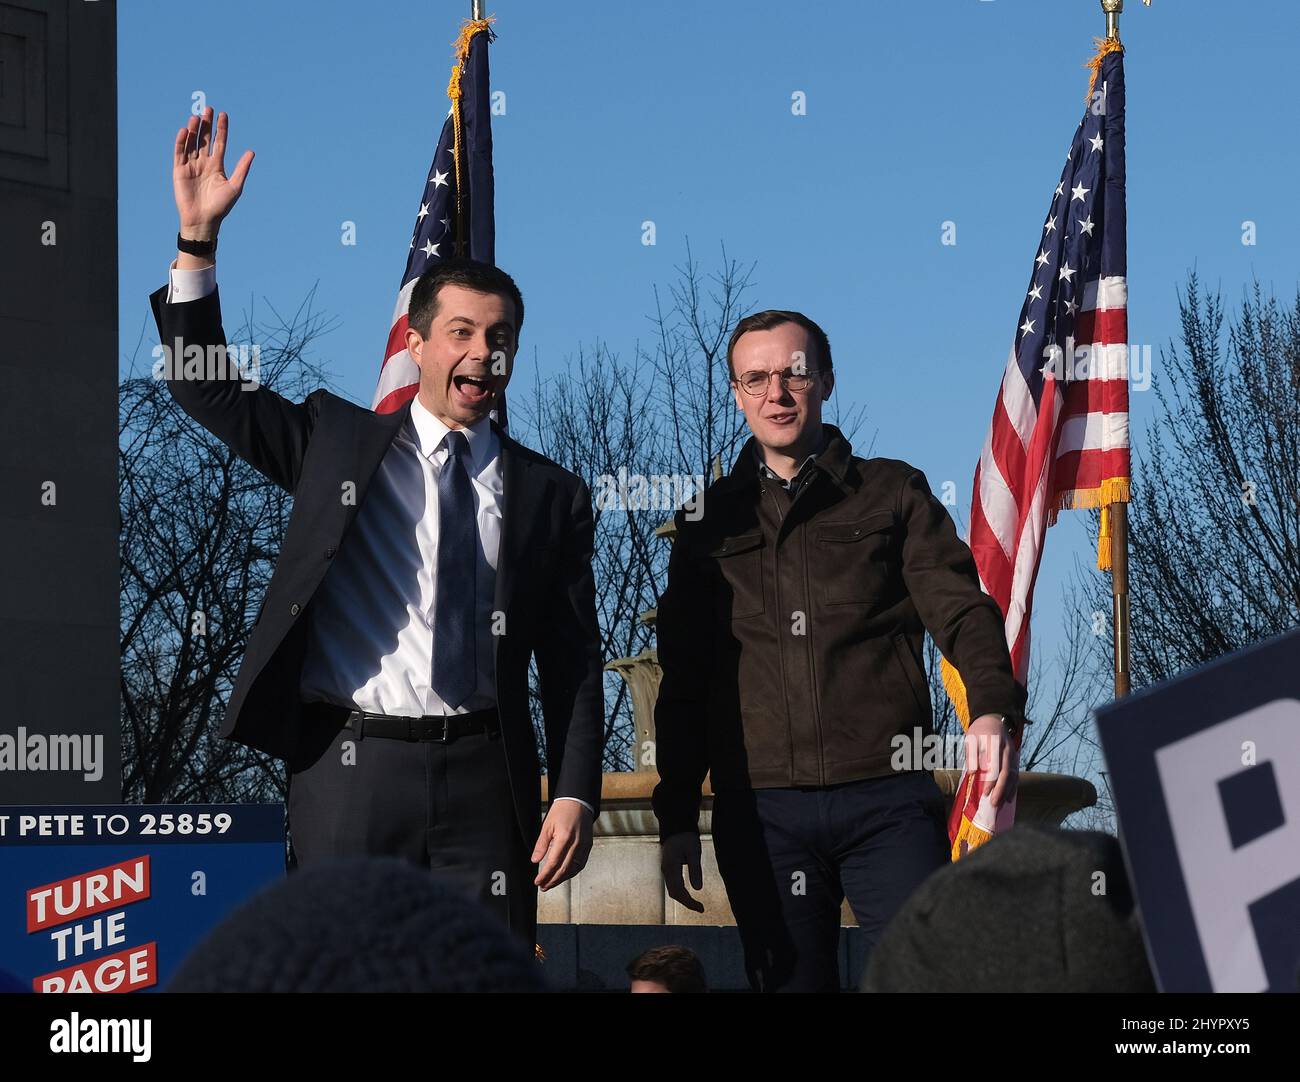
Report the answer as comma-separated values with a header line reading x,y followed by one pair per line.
x,y
833,459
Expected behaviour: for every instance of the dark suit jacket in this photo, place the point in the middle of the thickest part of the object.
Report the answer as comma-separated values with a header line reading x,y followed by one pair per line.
x,y
544,583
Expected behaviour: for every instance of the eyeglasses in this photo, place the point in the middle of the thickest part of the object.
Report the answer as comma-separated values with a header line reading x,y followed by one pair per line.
x,y
757,383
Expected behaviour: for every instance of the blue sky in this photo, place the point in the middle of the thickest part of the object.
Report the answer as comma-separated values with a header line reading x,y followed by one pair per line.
x,y
680,113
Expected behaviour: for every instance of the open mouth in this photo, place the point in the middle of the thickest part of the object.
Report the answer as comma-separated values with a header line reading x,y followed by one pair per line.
x,y
474,390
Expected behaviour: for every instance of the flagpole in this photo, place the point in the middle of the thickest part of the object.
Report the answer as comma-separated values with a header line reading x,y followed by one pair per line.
x,y
1119,594
1114,9
1118,512
476,9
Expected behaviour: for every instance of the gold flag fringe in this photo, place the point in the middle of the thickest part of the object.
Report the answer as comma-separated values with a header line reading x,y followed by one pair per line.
x,y
972,835
956,689
968,833
1105,46
1112,490
468,29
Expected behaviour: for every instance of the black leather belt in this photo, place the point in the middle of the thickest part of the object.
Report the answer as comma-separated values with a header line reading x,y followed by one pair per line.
x,y
431,728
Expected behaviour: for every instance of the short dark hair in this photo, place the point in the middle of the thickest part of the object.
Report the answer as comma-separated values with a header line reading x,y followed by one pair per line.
x,y
470,273
676,968
774,317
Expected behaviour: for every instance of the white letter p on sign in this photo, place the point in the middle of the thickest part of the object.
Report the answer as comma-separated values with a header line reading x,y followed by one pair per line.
x,y
1223,880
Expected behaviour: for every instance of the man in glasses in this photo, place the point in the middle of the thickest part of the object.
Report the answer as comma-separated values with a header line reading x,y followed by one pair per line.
x,y
790,638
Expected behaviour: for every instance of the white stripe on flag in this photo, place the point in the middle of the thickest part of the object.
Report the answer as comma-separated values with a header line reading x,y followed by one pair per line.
x,y
996,500
1017,400
1093,432
1031,541
399,369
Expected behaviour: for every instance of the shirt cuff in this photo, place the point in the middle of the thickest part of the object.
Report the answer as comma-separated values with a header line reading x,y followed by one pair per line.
x,y
580,801
190,285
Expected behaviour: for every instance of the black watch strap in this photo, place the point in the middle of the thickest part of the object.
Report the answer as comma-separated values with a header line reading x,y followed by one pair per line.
x,y
196,247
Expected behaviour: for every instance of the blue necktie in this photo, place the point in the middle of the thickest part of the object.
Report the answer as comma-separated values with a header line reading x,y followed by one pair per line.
x,y
455,662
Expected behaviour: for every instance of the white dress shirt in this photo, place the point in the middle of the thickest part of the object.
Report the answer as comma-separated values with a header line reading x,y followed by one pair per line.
x,y
370,640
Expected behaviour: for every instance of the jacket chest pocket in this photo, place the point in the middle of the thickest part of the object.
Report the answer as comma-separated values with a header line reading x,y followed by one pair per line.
x,y
738,564
856,558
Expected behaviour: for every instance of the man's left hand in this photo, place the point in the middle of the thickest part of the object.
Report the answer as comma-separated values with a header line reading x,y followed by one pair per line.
x,y
563,845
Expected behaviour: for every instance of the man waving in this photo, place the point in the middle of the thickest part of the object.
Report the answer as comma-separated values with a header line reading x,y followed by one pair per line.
x,y
429,557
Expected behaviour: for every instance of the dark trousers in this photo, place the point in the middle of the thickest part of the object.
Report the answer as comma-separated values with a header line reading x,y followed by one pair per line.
x,y
789,858
446,807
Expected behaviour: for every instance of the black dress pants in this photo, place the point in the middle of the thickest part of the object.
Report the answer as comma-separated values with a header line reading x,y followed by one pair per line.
x,y
789,858
446,807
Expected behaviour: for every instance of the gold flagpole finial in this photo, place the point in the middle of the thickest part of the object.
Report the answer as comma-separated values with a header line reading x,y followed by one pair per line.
x,y
1114,9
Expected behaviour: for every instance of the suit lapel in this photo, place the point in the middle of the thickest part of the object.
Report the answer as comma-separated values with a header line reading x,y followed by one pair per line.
x,y
521,503
513,470
374,434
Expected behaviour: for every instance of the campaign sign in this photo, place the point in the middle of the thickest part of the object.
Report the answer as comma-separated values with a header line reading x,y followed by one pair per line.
x,y
110,898
1205,772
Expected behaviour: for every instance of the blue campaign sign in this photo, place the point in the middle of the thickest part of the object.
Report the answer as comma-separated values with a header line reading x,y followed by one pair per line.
x,y
1205,772
110,898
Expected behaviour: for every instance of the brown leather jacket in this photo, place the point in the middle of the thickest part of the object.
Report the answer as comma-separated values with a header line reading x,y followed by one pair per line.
x,y
791,629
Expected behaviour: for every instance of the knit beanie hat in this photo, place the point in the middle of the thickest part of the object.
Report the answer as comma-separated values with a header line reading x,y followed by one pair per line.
x,y
360,925
1033,910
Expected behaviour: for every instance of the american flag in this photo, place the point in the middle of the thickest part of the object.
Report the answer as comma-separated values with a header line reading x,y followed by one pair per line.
x,y
1059,437
456,207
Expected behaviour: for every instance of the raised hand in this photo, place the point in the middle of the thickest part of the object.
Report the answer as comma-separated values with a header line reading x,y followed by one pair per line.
x,y
204,194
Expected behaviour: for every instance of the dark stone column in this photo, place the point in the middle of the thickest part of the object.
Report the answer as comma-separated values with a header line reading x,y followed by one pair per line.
x,y
59,665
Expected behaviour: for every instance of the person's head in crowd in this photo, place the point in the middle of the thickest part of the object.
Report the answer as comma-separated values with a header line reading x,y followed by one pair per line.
x,y
1034,910
360,925
667,969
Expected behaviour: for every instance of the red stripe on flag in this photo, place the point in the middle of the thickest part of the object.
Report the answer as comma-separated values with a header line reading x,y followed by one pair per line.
x,y
395,400
1101,328
1088,469
1040,452
1008,451
993,563
396,338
